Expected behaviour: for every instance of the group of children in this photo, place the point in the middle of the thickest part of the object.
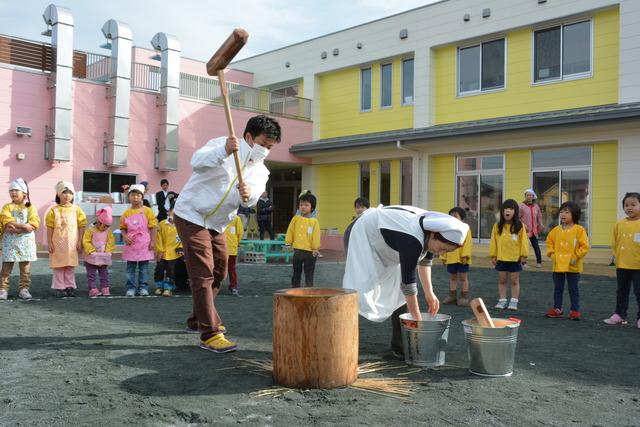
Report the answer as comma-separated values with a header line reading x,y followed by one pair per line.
x,y
567,244
68,238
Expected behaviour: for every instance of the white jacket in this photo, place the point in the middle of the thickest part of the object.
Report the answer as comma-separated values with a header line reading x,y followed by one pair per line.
x,y
211,198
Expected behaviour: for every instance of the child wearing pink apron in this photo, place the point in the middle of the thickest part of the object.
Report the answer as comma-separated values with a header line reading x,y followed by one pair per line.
x,y
65,228
138,226
98,243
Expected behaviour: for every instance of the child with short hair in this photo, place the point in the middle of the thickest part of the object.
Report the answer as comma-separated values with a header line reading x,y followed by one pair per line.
x,y
98,244
65,230
19,220
567,244
457,263
361,204
168,252
303,234
233,233
626,250
138,227
509,249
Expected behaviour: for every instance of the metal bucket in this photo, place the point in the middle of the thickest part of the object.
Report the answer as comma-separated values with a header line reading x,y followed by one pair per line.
x,y
491,351
424,340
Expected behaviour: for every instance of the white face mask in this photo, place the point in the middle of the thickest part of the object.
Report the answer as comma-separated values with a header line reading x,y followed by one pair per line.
x,y
259,153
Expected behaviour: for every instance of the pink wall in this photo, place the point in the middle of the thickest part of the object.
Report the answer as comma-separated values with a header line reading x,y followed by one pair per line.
x,y
191,66
24,101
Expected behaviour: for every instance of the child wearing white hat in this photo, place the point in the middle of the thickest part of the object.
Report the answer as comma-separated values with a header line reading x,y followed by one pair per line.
x,y
65,228
19,220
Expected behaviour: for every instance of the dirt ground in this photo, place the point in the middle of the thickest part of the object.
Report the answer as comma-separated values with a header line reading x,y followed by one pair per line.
x,y
119,361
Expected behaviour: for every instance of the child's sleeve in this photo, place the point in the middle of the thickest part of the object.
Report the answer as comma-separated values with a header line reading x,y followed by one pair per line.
x,y
82,218
493,244
160,237
315,237
123,217
5,215
34,218
582,246
551,243
466,246
151,218
614,241
87,244
239,229
524,242
50,218
111,242
290,232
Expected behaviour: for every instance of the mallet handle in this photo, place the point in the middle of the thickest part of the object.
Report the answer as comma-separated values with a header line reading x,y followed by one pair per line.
x,y
227,113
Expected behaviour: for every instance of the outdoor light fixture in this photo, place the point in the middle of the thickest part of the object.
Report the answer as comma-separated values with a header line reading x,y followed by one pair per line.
x,y
323,55
106,45
47,32
542,1
336,52
156,57
359,45
287,64
467,17
404,33
486,13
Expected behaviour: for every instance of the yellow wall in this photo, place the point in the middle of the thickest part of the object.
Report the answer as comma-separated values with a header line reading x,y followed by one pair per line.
x,y
395,182
603,198
517,174
519,95
441,186
339,103
337,188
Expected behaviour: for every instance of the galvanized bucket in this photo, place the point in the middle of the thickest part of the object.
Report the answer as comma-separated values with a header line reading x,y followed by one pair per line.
x,y
424,340
491,351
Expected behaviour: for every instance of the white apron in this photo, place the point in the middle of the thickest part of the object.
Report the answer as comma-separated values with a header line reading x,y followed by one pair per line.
x,y
19,247
373,268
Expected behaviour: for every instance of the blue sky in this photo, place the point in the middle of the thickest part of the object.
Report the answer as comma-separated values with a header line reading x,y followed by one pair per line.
x,y
201,26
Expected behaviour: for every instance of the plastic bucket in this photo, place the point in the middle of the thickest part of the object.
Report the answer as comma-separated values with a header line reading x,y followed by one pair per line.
x,y
491,351
424,341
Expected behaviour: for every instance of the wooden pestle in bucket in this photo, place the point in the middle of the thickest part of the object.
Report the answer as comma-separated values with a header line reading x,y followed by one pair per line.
x,y
481,313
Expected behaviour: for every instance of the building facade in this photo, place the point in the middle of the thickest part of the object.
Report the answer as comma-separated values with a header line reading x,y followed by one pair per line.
x,y
467,103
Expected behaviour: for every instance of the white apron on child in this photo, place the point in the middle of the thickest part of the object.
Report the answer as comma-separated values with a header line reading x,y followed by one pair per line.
x,y
19,247
99,241
138,232
65,238
373,268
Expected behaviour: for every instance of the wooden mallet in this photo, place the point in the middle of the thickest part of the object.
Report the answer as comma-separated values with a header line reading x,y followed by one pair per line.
x,y
481,313
216,66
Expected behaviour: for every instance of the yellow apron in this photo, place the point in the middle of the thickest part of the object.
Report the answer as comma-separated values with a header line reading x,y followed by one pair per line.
x,y
65,238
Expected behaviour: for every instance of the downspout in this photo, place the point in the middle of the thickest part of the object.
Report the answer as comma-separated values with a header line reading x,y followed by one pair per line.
x,y
168,139
116,139
57,147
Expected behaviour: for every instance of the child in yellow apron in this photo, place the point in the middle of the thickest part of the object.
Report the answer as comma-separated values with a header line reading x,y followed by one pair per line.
x,y
65,228
19,220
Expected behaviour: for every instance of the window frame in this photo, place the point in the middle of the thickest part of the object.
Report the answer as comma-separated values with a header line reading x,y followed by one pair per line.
x,y
569,77
362,70
402,85
110,174
480,91
390,65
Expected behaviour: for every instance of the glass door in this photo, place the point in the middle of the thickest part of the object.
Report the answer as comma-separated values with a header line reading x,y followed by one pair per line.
x,y
490,202
468,198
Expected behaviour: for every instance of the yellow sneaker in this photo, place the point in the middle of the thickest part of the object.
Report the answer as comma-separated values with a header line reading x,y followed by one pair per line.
x,y
218,344
158,292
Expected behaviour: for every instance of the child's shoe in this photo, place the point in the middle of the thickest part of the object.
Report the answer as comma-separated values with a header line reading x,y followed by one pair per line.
x,y
513,304
638,323
167,293
159,288
554,312
105,292
24,294
452,298
143,292
70,292
131,292
94,293
464,299
574,315
3,294
615,319
502,304
218,344
189,330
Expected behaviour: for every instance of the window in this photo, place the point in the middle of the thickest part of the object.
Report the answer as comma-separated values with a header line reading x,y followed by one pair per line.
x,y
407,81
481,67
385,182
105,182
365,89
563,51
385,85
479,191
406,182
364,179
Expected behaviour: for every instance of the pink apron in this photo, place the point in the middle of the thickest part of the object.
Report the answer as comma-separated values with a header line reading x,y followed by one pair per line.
x,y
138,231
65,238
99,257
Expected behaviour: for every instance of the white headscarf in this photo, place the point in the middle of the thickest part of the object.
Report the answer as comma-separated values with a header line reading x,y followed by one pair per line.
x,y
530,190
449,227
64,185
19,184
137,187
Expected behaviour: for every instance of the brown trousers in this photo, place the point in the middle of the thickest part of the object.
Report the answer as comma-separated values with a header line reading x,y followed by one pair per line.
x,y
25,274
205,255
